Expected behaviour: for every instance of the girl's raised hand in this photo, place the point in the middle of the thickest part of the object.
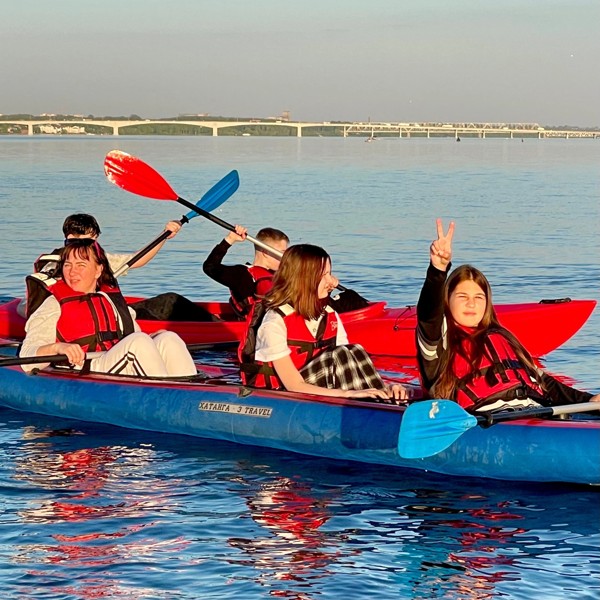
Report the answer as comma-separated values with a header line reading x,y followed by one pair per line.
x,y
440,251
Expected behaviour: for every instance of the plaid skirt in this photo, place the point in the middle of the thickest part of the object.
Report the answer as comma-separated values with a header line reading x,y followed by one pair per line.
x,y
345,367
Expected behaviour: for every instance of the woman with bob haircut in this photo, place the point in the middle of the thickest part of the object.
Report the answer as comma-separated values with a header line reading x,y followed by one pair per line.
x,y
465,354
86,312
296,342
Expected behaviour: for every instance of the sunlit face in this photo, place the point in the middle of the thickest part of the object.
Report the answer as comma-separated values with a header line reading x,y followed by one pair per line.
x,y
81,274
272,262
467,304
327,282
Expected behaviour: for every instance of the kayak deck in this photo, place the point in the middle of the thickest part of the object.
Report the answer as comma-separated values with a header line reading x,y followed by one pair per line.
x,y
540,326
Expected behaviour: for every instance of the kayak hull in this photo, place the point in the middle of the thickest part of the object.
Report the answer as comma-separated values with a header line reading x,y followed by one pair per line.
x,y
541,327
334,428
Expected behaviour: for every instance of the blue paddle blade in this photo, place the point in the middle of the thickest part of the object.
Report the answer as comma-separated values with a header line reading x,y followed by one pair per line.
x,y
430,426
218,193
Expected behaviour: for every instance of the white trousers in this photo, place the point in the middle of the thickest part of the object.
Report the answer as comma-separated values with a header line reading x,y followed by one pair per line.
x,y
163,354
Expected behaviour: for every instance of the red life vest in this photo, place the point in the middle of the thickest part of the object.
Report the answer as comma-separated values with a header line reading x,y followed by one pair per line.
x,y
90,319
500,376
303,344
263,280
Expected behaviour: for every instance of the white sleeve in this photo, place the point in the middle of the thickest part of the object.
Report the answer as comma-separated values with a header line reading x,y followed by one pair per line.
x,y
271,339
40,329
341,337
116,260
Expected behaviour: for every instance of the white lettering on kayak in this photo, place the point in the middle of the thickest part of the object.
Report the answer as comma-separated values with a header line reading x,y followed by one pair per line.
x,y
236,409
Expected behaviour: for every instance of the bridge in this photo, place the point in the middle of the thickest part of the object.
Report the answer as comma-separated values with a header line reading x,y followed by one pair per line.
x,y
74,125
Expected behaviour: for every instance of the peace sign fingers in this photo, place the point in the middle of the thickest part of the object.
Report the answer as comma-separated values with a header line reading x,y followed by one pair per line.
x,y
440,231
440,251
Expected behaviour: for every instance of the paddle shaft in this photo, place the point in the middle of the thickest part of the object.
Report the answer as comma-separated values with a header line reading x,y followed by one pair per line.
x,y
141,253
217,194
63,358
230,227
537,413
33,360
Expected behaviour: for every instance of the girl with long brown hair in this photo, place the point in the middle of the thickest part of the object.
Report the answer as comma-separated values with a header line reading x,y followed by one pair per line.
x,y
300,344
465,354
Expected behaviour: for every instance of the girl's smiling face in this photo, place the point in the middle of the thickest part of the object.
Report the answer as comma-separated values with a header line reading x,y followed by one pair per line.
x,y
467,304
327,282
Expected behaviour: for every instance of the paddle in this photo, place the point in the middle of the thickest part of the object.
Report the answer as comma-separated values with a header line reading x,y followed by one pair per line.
x,y
134,175
33,360
430,426
62,358
217,194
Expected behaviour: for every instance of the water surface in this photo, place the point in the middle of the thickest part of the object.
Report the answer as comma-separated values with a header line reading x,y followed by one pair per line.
x,y
91,511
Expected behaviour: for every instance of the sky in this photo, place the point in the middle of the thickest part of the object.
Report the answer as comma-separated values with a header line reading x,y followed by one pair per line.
x,y
490,61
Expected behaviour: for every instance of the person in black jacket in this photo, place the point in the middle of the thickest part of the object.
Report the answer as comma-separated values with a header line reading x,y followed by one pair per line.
x,y
246,282
464,353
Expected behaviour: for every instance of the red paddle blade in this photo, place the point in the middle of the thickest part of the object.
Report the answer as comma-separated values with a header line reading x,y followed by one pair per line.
x,y
135,176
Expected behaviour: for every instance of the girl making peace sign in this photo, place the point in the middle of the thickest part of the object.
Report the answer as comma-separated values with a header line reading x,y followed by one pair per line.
x,y
464,353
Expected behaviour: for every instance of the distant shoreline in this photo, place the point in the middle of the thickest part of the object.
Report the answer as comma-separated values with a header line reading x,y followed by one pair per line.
x,y
275,127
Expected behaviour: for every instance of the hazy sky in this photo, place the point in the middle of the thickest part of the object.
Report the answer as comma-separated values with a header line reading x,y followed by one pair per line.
x,y
388,60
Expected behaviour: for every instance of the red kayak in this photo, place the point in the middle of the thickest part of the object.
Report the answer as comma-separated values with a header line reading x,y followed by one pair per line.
x,y
541,327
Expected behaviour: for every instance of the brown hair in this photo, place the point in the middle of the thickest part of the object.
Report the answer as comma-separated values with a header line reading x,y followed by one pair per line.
x,y
81,224
269,234
89,249
296,282
445,386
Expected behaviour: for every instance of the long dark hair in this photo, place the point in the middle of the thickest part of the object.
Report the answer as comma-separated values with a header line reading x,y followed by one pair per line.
x,y
470,344
296,282
89,249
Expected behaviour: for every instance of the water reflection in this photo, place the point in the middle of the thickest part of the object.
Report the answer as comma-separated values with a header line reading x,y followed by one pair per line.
x,y
290,545
130,520
479,550
108,524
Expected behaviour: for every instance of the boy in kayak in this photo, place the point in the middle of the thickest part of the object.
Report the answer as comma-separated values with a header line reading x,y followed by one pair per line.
x,y
168,306
247,282
464,353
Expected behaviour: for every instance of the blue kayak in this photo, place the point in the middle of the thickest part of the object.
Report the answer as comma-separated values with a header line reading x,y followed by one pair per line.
x,y
217,407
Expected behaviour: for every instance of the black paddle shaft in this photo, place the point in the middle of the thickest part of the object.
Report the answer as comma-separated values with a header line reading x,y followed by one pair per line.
x,y
206,214
230,227
33,360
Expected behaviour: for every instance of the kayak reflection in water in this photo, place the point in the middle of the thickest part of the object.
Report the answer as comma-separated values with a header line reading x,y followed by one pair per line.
x,y
293,514
464,353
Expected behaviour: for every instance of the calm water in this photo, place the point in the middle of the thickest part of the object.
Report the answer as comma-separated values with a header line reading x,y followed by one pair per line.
x,y
98,512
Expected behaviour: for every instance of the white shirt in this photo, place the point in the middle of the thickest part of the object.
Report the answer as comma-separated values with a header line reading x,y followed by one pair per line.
x,y
40,328
271,339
